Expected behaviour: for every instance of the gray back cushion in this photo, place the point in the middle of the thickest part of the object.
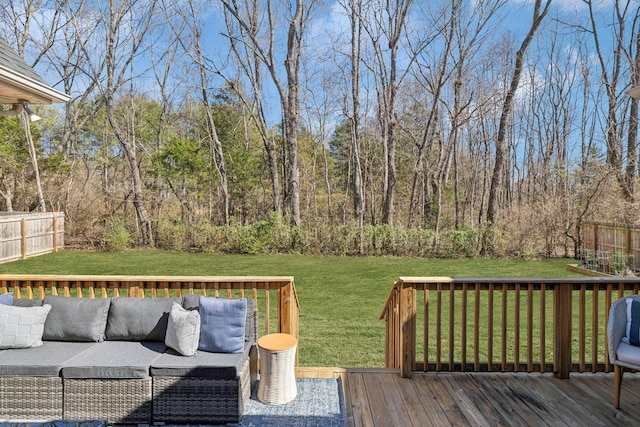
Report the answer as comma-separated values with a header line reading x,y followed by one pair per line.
x,y
139,319
192,302
27,302
76,319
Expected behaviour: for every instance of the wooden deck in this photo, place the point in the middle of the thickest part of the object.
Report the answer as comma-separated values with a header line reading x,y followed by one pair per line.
x,y
380,397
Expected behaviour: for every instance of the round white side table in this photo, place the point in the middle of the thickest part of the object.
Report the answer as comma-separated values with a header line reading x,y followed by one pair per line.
x,y
277,354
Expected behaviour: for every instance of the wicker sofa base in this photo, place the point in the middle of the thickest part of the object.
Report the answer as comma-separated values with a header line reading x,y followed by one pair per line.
x,y
119,401
30,398
201,400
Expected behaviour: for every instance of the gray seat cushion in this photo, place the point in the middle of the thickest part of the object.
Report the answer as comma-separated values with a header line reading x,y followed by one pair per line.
x,y
139,319
76,319
629,353
43,361
223,366
115,359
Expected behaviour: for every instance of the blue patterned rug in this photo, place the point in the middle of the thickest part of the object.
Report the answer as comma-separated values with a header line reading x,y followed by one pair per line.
x,y
319,403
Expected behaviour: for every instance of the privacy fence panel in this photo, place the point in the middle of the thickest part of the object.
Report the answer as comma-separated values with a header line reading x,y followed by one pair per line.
x,y
604,244
26,234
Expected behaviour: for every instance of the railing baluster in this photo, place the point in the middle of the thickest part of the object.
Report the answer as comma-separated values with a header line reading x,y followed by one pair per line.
x,y
503,359
594,327
582,327
267,309
516,328
491,329
426,326
543,329
476,328
529,327
463,325
452,338
439,327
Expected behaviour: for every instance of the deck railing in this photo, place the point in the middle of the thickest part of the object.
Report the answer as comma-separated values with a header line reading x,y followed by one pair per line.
x,y
279,316
501,324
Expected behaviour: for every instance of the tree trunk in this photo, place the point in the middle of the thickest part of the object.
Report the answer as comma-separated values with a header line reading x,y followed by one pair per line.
x,y
112,83
632,145
292,111
505,117
356,45
25,119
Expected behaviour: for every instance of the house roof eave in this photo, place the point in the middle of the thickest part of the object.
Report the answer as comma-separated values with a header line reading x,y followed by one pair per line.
x,y
18,87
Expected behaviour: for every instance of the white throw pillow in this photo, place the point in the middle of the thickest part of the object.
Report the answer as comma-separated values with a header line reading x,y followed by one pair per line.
x,y
183,330
22,327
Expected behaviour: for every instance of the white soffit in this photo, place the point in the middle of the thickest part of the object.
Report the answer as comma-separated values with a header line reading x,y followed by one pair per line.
x,y
15,87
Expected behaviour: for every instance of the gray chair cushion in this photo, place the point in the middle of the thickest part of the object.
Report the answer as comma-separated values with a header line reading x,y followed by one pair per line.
x,y
115,359
76,319
192,302
629,354
139,319
43,361
223,366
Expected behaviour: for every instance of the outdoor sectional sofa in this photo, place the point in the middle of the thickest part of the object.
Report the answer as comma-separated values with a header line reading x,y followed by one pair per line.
x,y
107,359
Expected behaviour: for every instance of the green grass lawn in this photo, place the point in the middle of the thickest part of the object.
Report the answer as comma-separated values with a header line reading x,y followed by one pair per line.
x,y
340,297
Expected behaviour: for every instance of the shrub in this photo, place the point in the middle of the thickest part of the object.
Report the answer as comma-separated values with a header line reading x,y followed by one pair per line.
x,y
463,242
116,235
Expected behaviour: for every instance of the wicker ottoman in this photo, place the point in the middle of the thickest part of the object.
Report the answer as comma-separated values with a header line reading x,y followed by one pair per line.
x,y
277,383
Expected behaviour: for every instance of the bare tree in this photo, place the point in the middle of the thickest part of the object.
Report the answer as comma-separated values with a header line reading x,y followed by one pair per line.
x,y
611,69
385,26
540,10
632,146
195,49
354,11
125,26
241,39
297,16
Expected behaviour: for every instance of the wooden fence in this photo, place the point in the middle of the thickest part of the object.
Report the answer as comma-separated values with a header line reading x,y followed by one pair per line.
x,y
601,243
501,324
28,234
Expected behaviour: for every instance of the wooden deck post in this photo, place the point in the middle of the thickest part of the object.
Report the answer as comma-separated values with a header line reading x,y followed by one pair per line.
x,y
285,306
562,330
287,313
407,329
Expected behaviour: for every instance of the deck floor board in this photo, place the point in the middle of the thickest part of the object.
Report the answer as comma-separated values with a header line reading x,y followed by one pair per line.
x,y
381,398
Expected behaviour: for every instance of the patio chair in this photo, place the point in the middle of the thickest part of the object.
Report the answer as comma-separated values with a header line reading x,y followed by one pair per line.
x,y
621,353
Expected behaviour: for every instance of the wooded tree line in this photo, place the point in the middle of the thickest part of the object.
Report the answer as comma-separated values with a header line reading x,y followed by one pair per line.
x,y
507,121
